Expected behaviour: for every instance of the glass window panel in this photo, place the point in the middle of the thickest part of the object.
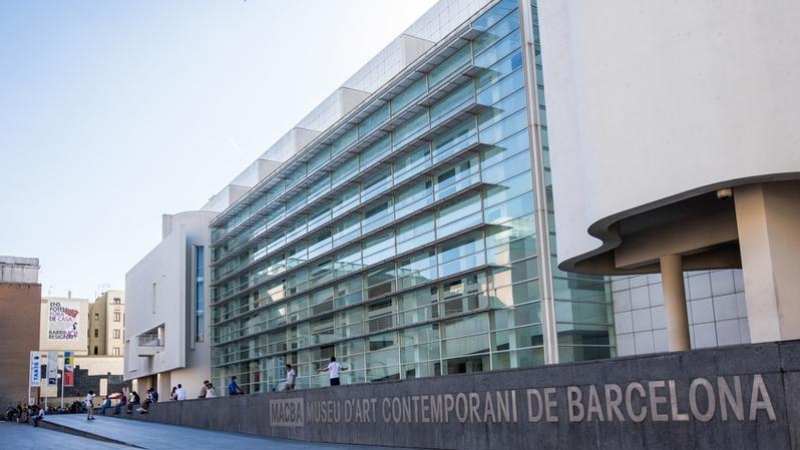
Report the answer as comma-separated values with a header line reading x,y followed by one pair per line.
x,y
374,151
497,31
319,159
295,202
345,200
344,141
296,175
377,216
347,169
414,198
497,12
517,185
321,272
412,163
449,103
451,180
505,128
498,50
501,89
417,269
379,248
406,97
296,255
374,119
376,184
501,109
450,65
349,292
347,229
459,216
319,244
296,228
510,209
412,231
322,301
499,70
319,216
319,187
349,260
410,128
454,140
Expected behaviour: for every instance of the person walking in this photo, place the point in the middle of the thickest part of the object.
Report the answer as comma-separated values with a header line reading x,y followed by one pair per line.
x,y
90,405
291,376
333,368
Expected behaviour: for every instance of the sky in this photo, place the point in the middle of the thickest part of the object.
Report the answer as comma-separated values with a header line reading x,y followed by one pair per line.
x,y
113,113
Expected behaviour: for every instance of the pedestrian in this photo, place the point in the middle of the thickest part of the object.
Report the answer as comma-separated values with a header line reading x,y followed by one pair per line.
x,y
203,390
172,395
180,393
334,368
291,376
233,387
211,392
90,405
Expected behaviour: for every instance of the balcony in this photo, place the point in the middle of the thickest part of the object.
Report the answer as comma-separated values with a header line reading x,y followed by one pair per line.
x,y
149,344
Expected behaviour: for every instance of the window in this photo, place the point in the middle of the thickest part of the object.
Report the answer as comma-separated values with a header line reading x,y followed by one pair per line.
x,y
117,300
115,351
199,293
96,332
117,317
116,334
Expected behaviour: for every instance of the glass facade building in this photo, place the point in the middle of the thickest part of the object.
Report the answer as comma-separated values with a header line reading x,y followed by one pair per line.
x,y
406,239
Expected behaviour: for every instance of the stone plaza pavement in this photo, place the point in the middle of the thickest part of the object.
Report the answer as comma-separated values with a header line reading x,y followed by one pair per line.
x,y
78,433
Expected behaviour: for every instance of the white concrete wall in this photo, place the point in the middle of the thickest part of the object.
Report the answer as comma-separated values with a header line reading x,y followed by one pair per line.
x,y
158,294
19,270
650,102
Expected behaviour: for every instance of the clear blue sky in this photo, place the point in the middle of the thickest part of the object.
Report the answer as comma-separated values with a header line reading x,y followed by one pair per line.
x,y
113,113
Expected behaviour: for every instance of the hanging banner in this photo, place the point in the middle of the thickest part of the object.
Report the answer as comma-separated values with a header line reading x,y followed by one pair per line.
x,y
36,369
52,368
62,321
69,367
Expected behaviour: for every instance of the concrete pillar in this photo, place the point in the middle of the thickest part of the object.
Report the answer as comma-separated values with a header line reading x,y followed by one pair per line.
x,y
768,219
675,303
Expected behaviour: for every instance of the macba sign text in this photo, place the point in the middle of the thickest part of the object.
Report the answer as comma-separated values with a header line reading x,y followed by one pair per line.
x,y
740,398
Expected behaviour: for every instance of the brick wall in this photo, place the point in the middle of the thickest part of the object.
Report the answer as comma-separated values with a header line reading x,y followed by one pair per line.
x,y
19,334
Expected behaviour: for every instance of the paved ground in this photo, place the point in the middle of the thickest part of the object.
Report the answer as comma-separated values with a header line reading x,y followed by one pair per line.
x,y
145,435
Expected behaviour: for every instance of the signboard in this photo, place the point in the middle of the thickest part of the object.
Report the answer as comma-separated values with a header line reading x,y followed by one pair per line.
x,y
52,368
69,367
62,321
35,369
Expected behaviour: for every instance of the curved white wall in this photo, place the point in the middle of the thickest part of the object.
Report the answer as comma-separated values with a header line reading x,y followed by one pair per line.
x,y
654,100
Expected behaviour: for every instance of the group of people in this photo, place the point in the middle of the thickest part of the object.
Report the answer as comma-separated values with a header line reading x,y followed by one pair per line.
x,y
22,413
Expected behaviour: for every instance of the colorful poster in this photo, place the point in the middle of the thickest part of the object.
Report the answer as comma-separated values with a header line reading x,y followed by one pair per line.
x,y
69,367
62,321
52,368
36,369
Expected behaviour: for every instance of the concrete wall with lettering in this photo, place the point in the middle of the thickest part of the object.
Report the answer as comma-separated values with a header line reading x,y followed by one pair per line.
x,y
742,397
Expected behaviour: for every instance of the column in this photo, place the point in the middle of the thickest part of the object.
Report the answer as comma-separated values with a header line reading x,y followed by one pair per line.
x,y
768,219
675,303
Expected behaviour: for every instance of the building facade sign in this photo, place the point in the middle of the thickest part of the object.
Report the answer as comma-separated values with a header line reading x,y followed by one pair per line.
x,y
63,321
35,369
